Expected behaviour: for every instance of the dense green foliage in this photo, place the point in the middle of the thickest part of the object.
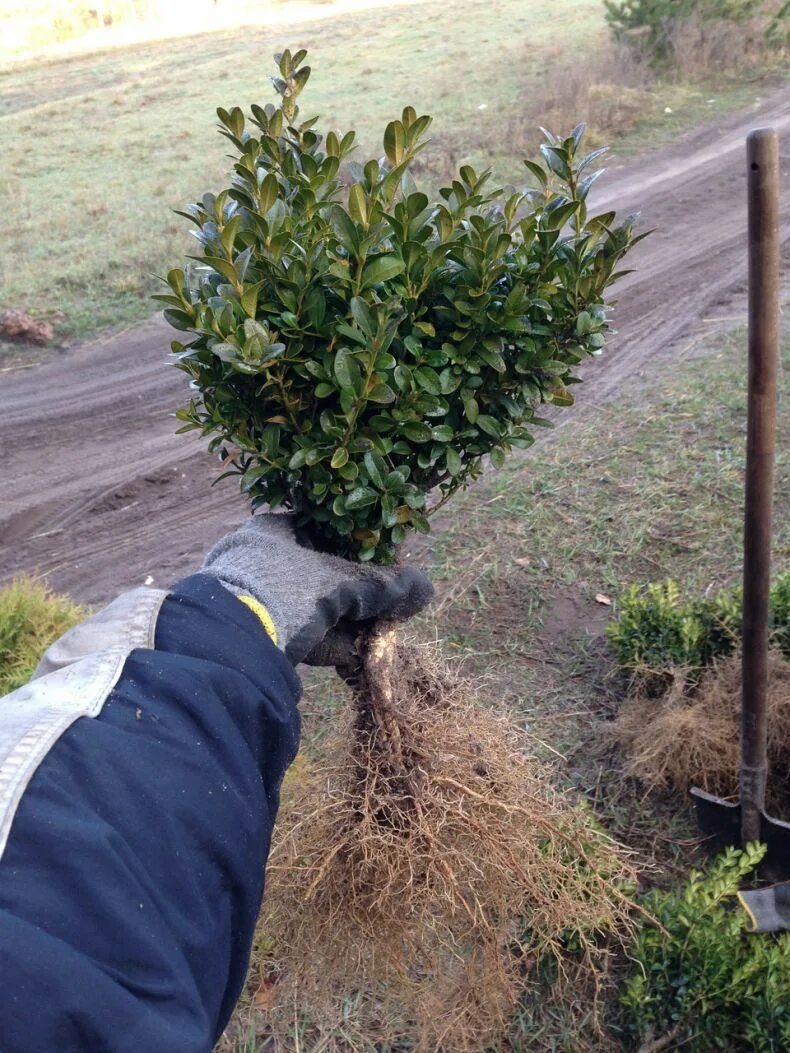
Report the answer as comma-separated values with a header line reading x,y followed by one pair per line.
x,y
658,630
649,23
31,618
702,978
354,348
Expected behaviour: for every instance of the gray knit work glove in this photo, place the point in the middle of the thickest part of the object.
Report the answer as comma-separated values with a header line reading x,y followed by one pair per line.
x,y
768,909
317,602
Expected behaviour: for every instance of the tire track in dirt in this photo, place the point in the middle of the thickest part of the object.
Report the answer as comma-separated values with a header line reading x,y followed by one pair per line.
x,y
97,492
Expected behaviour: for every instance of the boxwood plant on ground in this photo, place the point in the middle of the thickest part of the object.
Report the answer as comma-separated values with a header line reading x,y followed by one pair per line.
x,y
354,345
355,350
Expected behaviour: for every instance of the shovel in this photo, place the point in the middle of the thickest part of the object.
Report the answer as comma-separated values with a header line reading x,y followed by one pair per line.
x,y
727,822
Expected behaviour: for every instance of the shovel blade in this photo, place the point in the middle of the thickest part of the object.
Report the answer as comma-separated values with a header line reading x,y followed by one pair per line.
x,y
720,822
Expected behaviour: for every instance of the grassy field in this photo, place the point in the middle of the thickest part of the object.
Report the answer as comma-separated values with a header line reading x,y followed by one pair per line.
x,y
98,148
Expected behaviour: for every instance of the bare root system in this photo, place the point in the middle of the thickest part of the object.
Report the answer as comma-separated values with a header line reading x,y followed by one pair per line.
x,y
692,737
426,871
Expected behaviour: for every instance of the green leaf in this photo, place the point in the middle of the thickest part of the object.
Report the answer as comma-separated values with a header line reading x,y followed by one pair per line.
x,y
492,358
428,380
315,305
453,461
497,457
349,471
376,468
539,173
361,498
269,192
363,316
417,431
488,425
382,393
178,319
471,410
229,231
560,396
339,457
224,351
556,218
442,433
249,299
227,270
175,279
357,204
345,230
381,269
584,323
346,370
394,137
425,327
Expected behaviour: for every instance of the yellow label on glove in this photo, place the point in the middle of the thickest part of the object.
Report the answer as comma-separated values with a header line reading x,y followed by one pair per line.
x,y
262,614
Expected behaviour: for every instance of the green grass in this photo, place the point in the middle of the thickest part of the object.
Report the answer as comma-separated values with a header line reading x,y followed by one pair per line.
x,y
99,148
31,618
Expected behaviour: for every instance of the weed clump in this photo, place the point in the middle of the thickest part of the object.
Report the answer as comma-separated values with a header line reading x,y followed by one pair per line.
x,y
699,37
31,618
683,660
424,869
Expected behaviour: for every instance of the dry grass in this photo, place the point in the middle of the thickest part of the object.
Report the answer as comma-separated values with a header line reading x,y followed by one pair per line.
x,y
685,738
701,48
608,90
425,894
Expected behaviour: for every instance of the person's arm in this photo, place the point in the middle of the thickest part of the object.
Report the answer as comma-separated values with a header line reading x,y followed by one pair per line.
x,y
139,781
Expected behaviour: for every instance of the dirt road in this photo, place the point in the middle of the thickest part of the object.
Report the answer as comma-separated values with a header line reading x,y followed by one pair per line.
x,y
98,493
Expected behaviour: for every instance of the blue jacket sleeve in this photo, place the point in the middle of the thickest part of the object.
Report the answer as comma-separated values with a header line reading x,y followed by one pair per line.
x,y
133,872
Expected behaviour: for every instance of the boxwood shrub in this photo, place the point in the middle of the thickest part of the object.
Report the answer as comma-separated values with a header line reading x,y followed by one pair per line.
x,y
354,345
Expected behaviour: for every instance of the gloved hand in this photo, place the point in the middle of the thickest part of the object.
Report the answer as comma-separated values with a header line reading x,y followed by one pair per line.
x,y
768,909
319,603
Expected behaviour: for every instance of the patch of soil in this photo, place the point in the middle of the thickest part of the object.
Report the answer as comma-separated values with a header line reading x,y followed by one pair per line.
x,y
570,615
